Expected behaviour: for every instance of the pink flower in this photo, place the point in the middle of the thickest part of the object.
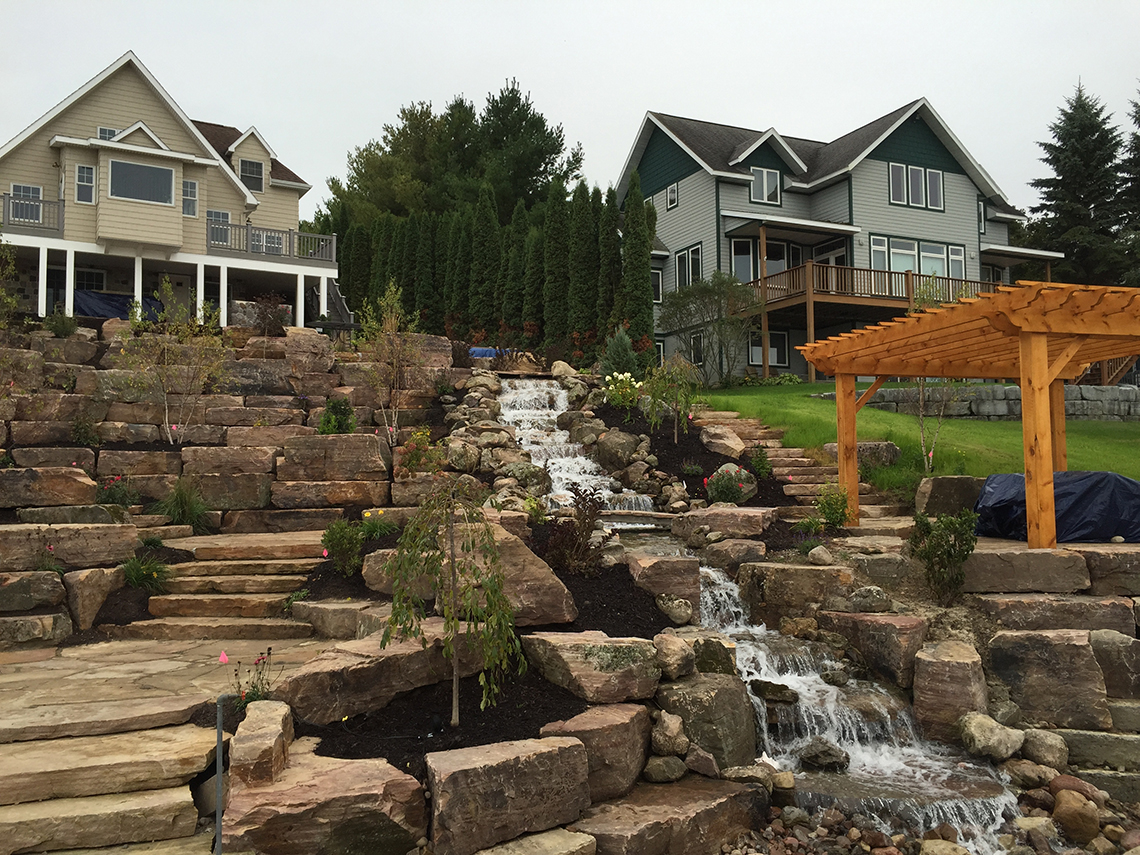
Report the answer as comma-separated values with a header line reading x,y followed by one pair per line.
x,y
325,553
223,658
73,463
174,427
51,549
931,455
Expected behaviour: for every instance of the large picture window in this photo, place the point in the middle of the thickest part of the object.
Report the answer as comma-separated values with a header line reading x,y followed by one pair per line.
x,y
923,257
777,348
765,185
142,183
742,259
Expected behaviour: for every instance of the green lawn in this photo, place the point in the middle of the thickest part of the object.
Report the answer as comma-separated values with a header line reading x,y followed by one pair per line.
x,y
964,446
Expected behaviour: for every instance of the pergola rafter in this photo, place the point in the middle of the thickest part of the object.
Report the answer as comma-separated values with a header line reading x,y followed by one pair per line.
x,y
1041,333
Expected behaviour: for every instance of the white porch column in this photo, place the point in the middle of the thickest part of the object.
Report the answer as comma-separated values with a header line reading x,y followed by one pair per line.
x,y
69,286
139,282
224,295
324,296
41,296
200,290
299,303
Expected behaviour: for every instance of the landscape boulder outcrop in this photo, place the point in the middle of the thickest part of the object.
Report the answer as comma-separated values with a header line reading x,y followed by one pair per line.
x,y
616,737
718,715
594,666
948,683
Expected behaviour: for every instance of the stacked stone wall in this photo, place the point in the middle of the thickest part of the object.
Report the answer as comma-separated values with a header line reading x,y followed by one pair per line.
x,y
995,402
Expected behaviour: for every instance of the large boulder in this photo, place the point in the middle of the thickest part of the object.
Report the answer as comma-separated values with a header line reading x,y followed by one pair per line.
x,y
1113,570
30,589
615,449
616,737
324,804
491,793
1053,676
73,545
87,590
260,748
37,488
1119,658
329,494
869,452
947,494
718,715
1052,611
594,666
948,683
667,574
335,457
674,656
995,567
825,755
729,520
240,460
139,463
720,439
984,737
889,643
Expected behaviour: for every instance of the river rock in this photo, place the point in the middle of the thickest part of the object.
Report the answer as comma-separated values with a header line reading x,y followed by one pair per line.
x,y
616,737
594,666
674,656
87,590
664,770
722,440
729,520
324,804
667,574
31,589
1070,782
1077,816
718,715
491,793
889,643
948,683
37,488
984,737
1046,748
947,494
615,449
731,553
1053,676
677,609
1119,658
668,736
1027,774
260,748
824,755
942,847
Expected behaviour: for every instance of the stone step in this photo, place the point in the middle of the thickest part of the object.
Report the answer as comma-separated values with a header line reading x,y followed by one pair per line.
x,y
235,584
1060,611
814,475
814,489
90,719
150,520
217,605
882,527
1125,714
1122,786
342,618
212,628
169,532
300,519
276,567
1119,751
77,766
262,545
201,843
873,512
780,463
715,417
93,821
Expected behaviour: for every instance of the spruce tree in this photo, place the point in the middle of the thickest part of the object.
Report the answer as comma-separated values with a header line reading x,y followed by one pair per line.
x,y
1130,198
582,300
485,261
609,263
1080,210
534,278
382,235
396,255
556,272
344,267
635,298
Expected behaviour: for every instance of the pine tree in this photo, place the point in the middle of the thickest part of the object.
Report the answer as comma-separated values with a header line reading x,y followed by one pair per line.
x,y
582,300
609,263
460,305
396,255
635,297
344,267
485,261
534,278
1080,212
556,272
1130,198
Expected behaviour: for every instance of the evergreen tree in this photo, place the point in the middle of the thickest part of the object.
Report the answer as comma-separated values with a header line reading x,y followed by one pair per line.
x,y
406,278
609,262
360,265
344,267
582,300
634,301
556,271
428,308
534,278
1130,197
383,232
514,253
1080,210
396,255
485,262
458,306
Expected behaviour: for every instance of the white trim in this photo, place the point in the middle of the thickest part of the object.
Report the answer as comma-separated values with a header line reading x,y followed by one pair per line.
x,y
252,132
773,363
794,222
891,165
59,140
244,160
94,183
1021,251
732,242
674,191
138,126
111,133
660,283
941,190
292,185
789,156
1002,216
186,181
111,178
752,186
910,171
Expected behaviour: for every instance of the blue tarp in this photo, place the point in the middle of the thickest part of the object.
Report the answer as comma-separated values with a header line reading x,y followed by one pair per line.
x,y
1092,507
96,304
484,351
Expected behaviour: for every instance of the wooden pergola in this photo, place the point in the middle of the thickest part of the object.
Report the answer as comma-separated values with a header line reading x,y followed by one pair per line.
x,y
1042,333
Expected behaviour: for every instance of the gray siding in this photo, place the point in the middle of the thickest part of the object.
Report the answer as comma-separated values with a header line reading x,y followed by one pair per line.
x,y
736,197
996,233
831,204
692,221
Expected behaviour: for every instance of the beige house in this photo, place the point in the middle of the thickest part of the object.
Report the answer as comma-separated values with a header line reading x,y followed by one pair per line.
x,y
115,188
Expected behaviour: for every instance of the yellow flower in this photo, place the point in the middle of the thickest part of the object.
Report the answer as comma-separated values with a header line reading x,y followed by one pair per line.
x,y
368,513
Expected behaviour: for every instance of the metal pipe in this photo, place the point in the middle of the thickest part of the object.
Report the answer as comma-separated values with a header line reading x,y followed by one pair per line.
x,y
218,769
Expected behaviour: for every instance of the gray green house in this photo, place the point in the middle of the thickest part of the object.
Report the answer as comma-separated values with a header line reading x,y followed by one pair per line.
x,y
831,235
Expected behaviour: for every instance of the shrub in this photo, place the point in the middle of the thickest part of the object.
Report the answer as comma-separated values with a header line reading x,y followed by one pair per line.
x,y
807,543
572,547
535,510
761,465
372,527
184,506
810,526
60,325
342,541
150,541
943,546
619,357
150,574
831,503
723,487
338,417
83,431
688,467
117,491
419,455
622,391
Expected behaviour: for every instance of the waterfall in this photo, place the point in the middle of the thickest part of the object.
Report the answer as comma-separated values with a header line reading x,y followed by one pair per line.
x,y
532,407
893,772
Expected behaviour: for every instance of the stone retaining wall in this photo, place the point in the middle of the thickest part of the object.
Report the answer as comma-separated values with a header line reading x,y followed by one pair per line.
x,y
995,402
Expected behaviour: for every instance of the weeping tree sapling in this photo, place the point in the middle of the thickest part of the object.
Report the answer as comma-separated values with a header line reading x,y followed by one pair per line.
x,y
449,543
671,388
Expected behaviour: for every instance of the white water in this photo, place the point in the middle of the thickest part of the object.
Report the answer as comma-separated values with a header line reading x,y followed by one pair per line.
x,y
893,771
532,406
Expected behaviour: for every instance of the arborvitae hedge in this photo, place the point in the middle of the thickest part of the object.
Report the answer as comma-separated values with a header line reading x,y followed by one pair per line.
x,y
556,256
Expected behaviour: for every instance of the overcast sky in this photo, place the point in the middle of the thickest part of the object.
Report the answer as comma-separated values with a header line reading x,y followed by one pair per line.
x,y
320,78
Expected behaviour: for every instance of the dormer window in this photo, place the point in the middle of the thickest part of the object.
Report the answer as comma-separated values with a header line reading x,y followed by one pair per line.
x,y
252,174
108,133
916,187
765,185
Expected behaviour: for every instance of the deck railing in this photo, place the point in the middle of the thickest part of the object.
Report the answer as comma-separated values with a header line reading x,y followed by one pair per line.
x,y
828,280
31,214
257,240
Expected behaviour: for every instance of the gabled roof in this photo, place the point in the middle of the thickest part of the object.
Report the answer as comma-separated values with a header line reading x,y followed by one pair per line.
x,y
140,126
720,149
225,138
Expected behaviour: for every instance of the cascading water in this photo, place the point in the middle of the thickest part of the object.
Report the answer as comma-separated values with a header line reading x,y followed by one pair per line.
x,y
893,772
532,406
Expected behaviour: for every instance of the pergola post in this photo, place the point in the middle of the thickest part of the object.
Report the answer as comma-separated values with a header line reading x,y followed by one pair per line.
x,y
1057,417
809,272
763,248
1037,439
847,447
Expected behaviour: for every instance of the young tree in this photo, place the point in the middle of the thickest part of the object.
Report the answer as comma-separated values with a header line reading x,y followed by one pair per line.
x,y
1080,209
556,270
931,397
634,303
671,388
710,307
388,340
609,262
450,543
582,299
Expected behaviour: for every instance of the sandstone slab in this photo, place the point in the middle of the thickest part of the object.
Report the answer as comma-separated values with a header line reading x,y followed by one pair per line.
x,y
295,519
492,793
1118,654
37,488
30,589
329,494
731,553
41,433
235,492
74,545
718,715
1053,676
889,643
948,683
729,520
334,619
1113,570
536,595
88,718
90,514
324,804
139,463
789,588
87,590
557,841
275,436
616,737
128,432
36,629
594,666
995,567
35,458
1120,751
260,748
667,574
947,494
335,457
227,460
1056,611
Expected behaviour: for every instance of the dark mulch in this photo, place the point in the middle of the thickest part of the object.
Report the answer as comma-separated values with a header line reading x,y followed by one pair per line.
x,y
690,452
326,583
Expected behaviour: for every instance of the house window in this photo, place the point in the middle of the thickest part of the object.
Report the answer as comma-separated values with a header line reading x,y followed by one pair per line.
x,y
671,196
765,186
108,133
917,186
26,207
142,183
219,228
904,254
742,260
981,216
252,175
923,257
934,189
992,273
776,257
898,184
659,346
697,348
90,280
688,266
777,348
655,281
85,184
957,258
189,198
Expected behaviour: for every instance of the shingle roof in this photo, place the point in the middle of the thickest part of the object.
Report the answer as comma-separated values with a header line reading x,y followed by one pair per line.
x,y
221,137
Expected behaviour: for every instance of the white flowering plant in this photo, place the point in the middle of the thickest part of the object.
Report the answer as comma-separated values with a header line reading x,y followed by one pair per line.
x,y
623,391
